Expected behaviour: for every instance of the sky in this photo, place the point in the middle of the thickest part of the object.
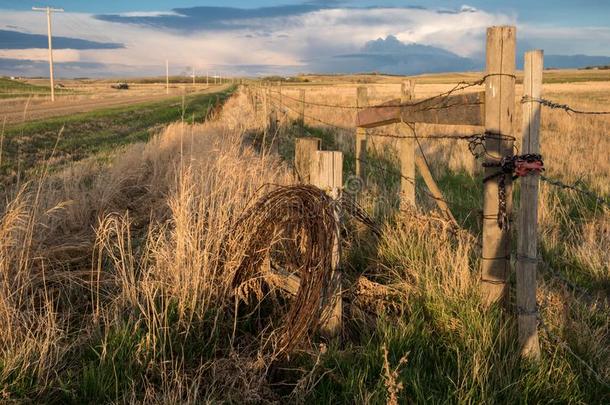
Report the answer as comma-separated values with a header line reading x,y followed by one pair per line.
x,y
260,37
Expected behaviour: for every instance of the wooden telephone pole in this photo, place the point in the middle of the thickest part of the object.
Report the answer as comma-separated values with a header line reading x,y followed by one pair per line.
x,y
49,11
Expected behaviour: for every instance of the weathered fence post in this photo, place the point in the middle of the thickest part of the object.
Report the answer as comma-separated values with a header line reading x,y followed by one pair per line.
x,y
407,151
265,95
302,112
527,245
281,104
304,150
499,113
327,174
362,100
272,117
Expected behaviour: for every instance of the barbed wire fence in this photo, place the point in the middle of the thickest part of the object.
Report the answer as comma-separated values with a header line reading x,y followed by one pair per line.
x,y
476,146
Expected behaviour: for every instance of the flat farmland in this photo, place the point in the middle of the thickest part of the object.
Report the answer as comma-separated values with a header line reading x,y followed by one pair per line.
x,y
78,126
30,100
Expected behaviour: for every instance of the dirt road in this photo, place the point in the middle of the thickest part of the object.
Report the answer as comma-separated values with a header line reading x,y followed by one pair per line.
x,y
24,113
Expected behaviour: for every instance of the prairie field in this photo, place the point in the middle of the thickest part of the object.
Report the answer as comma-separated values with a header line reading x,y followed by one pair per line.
x,y
118,274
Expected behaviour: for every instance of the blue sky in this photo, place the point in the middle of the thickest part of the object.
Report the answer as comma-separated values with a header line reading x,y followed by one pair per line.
x,y
557,12
270,36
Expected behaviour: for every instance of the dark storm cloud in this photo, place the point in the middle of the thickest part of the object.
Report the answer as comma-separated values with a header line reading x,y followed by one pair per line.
x,y
21,40
392,56
210,18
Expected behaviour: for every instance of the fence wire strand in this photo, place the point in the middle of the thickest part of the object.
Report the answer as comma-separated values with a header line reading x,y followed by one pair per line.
x,y
557,106
476,144
559,184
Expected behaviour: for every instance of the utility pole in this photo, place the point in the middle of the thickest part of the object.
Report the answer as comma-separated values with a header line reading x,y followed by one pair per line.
x,y
166,76
193,75
207,78
49,11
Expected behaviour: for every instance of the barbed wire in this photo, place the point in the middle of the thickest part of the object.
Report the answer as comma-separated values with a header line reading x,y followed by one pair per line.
x,y
556,275
412,180
316,104
562,343
555,105
574,187
475,140
310,117
462,85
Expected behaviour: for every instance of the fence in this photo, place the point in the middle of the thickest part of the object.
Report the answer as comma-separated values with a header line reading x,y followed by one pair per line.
x,y
493,110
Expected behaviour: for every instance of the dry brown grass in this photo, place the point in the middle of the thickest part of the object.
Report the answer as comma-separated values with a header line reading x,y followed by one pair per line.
x,y
70,266
112,287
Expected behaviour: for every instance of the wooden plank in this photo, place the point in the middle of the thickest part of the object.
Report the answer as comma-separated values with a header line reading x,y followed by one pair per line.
x,y
407,152
303,152
499,113
527,244
434,189
459,109
327,173
362,100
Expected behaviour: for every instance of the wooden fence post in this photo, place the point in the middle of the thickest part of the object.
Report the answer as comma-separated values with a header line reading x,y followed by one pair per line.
x,y
527,245
499,113
272,117
304,150
362,100
327,174
302,112
281,104
266,112
407,152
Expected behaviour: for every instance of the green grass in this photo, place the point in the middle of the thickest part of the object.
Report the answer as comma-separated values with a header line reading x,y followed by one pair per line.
x,y
456,351
82,135
14,88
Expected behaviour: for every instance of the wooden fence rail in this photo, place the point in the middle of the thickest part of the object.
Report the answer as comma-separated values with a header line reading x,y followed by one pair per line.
x,y
492,110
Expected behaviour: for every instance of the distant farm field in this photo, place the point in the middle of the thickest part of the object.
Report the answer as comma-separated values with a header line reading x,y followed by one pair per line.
x,y
70,138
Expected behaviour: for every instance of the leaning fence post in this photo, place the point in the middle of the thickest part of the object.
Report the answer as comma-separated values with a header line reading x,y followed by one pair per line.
x,y
304,150
407,151
499,113
362,100
327,174
527,245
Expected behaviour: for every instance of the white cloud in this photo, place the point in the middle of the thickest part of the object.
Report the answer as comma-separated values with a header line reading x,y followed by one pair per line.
x,y
284,41
148,13
59,55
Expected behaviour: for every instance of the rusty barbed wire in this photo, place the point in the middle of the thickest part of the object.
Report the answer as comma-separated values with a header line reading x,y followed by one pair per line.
x,y
475,140
555,105
574,187
563,344
462,85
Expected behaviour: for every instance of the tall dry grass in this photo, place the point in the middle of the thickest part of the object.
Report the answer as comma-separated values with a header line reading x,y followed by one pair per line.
x,y
130,250
573,228
112,289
